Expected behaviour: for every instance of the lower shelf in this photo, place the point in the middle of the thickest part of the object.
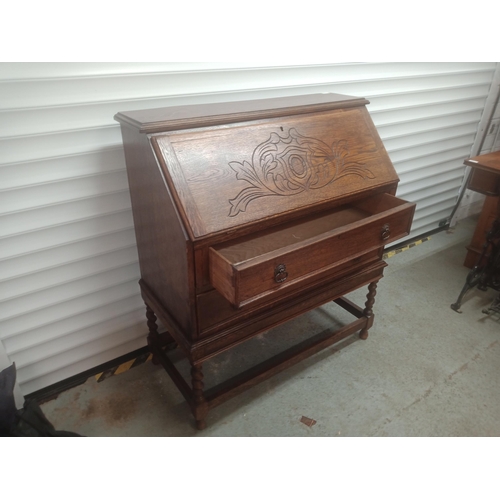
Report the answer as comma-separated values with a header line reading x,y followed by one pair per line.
x,y
201,402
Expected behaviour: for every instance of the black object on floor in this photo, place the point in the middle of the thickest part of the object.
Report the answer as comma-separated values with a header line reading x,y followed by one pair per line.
x,y
28,422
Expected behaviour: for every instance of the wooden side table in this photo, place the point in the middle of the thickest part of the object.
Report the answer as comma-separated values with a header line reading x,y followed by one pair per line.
x,y
484,249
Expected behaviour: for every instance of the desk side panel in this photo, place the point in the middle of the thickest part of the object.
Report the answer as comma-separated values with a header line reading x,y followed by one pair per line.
x,y
165,252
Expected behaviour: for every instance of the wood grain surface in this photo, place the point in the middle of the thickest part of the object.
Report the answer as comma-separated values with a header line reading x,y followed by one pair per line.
x,y
251,213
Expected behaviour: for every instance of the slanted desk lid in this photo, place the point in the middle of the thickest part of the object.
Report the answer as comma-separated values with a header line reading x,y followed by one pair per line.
x,y
238,173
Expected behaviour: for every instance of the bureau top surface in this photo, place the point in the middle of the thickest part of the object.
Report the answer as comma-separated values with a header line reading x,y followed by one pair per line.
x,y
201,115
490,161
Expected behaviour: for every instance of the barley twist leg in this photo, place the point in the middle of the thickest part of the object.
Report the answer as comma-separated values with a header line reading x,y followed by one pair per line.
x,y
154,336
368,311
199,404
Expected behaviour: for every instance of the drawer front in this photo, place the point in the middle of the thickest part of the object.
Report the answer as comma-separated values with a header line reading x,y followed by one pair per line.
x,y
484,182
228,334
215,313
242,279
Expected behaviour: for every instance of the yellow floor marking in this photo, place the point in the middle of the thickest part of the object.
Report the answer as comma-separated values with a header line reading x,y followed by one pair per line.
x,y
124,367
403,249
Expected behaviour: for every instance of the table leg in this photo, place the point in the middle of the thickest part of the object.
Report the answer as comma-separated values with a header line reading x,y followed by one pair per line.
x,y
368,311
482,274
199,403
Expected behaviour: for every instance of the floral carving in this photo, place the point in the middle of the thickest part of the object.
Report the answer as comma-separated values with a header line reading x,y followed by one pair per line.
x,y
286,166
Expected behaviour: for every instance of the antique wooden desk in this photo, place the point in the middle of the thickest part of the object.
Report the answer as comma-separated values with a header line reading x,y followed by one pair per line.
x,y
483,253
250,213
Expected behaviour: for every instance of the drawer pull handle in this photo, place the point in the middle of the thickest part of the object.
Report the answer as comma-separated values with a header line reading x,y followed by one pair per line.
x,y
386,232
280,273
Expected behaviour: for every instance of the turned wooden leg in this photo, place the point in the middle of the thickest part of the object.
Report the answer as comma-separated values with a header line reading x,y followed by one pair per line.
x,y
368,311
154,336
199,404
157,340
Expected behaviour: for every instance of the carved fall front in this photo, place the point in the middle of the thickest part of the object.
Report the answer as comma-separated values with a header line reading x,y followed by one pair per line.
x,y
289,165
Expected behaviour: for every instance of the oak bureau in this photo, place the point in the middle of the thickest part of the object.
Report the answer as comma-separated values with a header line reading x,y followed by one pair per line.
x,y
250,213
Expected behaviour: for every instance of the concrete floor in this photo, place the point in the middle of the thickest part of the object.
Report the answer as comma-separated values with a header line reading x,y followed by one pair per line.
x,y
424,370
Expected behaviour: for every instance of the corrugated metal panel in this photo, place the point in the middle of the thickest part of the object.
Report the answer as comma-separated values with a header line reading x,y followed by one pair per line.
x,y
486,141
69,298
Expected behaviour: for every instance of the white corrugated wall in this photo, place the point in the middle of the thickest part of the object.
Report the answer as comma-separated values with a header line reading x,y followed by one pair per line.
x,y
487,141
69,298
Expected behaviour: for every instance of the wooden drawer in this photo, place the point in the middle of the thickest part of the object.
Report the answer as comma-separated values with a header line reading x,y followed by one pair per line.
x,y
217,314
249,268
484,182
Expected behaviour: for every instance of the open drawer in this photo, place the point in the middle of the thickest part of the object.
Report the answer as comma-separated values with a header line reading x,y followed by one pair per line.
x,y
267,262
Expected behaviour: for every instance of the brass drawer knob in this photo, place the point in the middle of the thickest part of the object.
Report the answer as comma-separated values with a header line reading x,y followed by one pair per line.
x,y
280,273
386,232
